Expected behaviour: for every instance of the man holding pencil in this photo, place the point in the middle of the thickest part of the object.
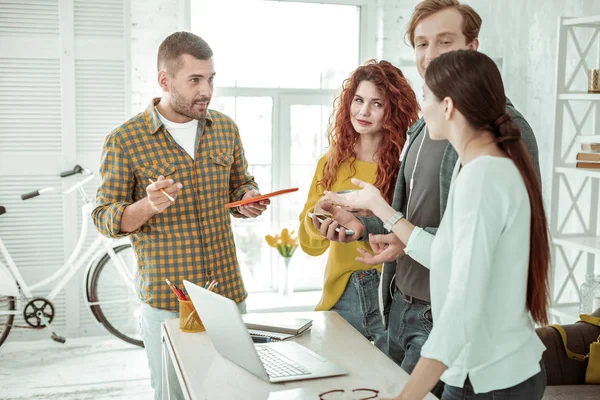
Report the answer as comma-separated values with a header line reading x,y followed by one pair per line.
x,y
167,174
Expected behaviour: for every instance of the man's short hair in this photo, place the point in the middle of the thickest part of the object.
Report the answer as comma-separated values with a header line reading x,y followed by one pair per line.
x,y
178,44
471,20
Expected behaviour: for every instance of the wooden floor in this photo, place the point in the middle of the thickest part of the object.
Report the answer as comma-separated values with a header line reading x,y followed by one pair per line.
x,y
82,369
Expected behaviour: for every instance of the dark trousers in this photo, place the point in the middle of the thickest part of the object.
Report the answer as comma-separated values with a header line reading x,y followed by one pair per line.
x,y
530,389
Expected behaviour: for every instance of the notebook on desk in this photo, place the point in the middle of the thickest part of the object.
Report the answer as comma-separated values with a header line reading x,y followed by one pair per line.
x,y
275,326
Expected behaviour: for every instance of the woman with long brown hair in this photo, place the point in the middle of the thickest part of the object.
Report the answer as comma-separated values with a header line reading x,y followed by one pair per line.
x,y
490,257
366,136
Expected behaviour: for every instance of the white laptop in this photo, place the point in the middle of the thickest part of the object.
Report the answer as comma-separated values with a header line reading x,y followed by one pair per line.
x,y
273,362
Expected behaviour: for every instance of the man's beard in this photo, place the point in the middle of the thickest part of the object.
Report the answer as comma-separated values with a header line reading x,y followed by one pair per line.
x,y
184,107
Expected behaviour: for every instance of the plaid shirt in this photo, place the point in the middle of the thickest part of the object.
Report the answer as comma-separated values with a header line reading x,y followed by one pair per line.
x,y
191,239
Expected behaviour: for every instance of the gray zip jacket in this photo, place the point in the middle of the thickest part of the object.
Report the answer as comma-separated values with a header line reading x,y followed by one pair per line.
x,y
374,225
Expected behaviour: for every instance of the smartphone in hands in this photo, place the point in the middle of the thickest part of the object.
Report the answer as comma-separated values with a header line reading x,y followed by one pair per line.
x,y
323,217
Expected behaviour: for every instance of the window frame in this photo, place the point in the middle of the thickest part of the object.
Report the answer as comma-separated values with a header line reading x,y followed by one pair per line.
x,y
280,170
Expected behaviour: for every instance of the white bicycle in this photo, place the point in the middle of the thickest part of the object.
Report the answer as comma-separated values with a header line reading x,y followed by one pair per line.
x,y
108,282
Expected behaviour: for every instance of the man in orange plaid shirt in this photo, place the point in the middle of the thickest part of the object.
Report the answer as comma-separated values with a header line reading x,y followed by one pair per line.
x,y
194,156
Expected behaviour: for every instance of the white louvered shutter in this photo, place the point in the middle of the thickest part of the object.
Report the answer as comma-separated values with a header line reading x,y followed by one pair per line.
x,y
102,92
64,85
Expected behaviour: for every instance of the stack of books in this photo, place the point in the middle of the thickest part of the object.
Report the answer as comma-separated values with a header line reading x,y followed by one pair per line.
x,y
589,156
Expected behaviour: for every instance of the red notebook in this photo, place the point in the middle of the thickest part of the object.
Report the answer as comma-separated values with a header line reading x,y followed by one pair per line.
x,y
261,197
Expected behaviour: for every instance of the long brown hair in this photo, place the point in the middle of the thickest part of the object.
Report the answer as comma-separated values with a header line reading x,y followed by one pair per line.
x,y
472,80
400,112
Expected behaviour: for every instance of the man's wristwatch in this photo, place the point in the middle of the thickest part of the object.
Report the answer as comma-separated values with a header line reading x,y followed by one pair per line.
x,y
389,224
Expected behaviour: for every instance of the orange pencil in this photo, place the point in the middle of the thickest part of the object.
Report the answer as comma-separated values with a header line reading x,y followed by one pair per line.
x,y
163,192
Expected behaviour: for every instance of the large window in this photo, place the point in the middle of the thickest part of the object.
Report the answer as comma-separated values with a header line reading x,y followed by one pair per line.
x,y
279,67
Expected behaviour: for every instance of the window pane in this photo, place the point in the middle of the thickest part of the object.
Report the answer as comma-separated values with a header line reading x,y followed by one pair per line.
x,y
254,119
308,143
309,132
253,115
224,104
270,44
254,255
311,268
264,45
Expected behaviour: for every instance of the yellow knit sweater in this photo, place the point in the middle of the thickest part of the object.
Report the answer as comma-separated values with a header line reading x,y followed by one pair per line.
x,y
341,262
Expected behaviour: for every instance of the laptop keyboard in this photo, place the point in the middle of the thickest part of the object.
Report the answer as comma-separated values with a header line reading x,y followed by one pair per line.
x,y
277,365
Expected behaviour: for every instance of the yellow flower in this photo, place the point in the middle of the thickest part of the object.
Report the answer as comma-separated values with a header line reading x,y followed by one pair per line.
x,y
272,241
285,236
285,243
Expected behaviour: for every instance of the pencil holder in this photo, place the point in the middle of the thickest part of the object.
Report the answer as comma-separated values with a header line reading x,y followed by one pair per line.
x,y
189,321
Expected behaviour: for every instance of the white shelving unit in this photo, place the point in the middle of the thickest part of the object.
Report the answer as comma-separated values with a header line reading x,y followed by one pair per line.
x,y
575,202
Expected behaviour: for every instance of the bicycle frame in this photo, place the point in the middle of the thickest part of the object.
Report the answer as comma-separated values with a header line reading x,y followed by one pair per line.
x,y
101,245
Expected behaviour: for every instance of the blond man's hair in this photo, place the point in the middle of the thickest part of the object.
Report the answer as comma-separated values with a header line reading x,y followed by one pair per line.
x,y
471,20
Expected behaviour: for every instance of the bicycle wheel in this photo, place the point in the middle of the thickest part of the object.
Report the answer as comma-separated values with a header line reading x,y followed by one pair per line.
x,y
113,300
7,303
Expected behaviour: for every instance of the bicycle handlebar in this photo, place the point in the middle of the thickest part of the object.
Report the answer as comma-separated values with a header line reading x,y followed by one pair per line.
x,y
76,170
30,195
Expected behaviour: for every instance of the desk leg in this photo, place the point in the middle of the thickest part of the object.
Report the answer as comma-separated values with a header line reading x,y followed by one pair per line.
x,y
165,367
173,382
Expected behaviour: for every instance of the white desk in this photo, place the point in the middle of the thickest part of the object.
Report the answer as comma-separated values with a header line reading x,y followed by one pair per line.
x,y
205,374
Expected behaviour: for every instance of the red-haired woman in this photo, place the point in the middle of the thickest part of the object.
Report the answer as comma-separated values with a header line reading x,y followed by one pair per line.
x,y
490,257
366,137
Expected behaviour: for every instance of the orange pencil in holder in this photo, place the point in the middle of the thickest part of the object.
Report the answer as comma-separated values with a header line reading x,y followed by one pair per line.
x,y
189,321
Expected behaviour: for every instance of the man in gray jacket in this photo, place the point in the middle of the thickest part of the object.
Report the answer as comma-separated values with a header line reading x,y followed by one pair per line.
x,y
436,27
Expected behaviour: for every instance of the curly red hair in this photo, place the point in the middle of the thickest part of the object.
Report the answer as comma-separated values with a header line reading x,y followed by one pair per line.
x,y
400,112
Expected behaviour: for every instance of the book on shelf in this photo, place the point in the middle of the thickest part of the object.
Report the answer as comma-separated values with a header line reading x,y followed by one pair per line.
x,y
276,327
588,164
582,156
590,147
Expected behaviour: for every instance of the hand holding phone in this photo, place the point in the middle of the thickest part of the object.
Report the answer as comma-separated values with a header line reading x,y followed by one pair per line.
x,y
323,217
